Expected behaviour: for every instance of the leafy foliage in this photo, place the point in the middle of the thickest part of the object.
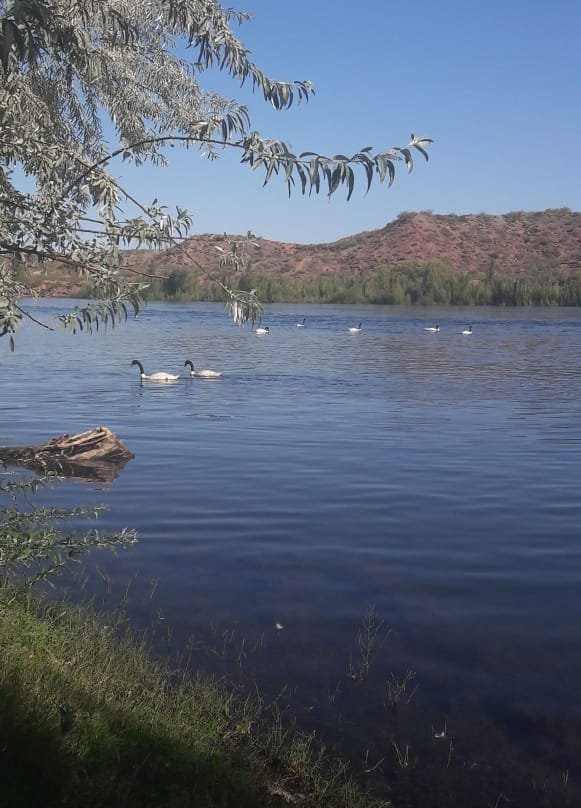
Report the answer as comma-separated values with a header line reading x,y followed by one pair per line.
x,y
432,283
30,536
69,69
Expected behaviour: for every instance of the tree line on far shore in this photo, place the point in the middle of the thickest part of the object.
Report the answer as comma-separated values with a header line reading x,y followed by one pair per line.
x,y
431,283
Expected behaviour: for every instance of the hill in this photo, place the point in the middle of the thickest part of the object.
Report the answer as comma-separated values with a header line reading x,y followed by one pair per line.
x,y
543,246
517,244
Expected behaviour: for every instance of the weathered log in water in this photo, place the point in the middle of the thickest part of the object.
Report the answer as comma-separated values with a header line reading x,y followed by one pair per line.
x,y
97,454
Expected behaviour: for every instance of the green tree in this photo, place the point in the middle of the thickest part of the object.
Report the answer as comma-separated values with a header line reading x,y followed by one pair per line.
x,y
68,68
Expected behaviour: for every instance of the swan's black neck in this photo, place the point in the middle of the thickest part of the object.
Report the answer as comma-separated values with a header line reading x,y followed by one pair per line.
x,y
190,363
139,365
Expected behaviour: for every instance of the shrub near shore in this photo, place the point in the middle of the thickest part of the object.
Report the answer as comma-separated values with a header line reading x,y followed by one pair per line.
x,y
427,284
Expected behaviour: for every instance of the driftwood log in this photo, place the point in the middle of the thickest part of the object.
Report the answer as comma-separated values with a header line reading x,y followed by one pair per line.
x,y
97,454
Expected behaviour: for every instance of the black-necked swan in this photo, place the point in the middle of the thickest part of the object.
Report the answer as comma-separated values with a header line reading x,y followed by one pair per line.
x,y
467,330
432,328
355,330
203,374
262,330
155,377
301,325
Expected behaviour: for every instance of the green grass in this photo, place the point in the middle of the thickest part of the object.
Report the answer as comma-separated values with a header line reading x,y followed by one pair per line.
x,y
88,718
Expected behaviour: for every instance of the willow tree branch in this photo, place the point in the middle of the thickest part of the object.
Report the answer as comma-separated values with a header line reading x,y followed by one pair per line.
x,y
30,317
66,260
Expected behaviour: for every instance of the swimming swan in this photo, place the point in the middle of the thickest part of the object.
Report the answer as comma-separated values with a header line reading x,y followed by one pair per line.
x,y
154,377
301,325
263,330
203,374
354,330
467,330
432,328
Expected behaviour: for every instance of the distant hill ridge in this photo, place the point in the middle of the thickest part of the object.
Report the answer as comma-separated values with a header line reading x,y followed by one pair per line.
x,y
517,243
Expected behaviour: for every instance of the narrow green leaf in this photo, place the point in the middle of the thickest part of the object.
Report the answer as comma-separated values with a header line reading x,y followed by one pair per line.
x,y
335,180
350,182
422,151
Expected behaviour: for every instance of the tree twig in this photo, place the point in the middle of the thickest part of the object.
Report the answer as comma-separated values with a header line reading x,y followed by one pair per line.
x,y
30,317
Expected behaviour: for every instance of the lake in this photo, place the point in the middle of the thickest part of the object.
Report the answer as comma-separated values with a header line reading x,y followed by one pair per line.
x,y
421,489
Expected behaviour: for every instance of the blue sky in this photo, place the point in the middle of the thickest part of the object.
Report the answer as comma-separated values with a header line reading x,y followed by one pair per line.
x,y
496,84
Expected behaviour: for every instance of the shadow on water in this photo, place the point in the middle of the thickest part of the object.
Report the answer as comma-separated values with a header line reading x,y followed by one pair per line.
x,y
87,471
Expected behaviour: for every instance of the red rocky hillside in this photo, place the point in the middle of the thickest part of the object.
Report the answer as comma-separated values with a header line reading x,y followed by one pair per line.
x,y
520,243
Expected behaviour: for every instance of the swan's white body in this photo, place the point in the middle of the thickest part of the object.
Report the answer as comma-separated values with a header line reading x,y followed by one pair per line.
x,y
355,329
206,374
432,328
202,374
262,330
467,330
155,377
301,325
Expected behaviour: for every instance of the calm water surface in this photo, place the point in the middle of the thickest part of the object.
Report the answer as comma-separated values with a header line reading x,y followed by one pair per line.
x,y
435,477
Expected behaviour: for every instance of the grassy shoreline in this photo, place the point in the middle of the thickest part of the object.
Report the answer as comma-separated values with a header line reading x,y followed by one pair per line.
x,y
88,718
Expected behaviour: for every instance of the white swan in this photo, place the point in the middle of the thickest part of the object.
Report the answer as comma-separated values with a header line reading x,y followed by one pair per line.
x,y
262,330
301,325
355,330
467,330
432,328
155,377
203,374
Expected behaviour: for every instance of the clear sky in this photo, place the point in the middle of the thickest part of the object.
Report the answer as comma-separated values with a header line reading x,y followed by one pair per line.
x,y
495,83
